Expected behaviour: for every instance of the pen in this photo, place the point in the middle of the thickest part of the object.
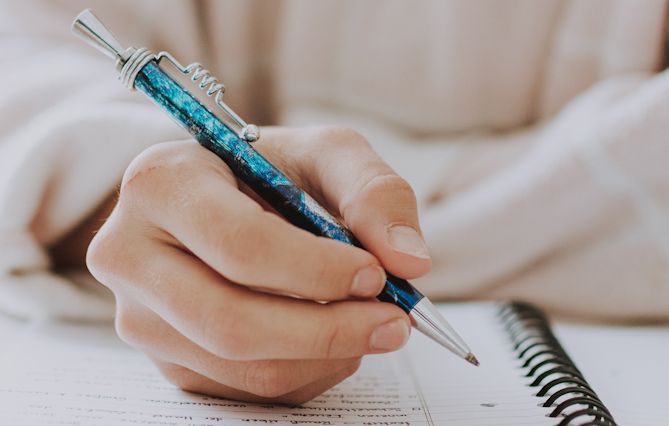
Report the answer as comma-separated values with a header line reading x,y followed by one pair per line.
x,y
230,138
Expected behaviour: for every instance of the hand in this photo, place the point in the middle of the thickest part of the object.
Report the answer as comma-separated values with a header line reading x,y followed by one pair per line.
x,y
204,274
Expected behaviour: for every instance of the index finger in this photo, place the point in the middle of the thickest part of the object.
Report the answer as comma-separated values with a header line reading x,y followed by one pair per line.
x,y
230,232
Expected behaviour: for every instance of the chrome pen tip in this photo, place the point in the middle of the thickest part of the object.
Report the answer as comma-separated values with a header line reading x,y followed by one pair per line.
x,y
428,320
470,358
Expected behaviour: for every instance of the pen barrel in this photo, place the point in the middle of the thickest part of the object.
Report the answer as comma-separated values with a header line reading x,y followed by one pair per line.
x,y
256,171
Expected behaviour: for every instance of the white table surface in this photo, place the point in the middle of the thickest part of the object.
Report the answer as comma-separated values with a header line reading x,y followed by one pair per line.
x,y
10,329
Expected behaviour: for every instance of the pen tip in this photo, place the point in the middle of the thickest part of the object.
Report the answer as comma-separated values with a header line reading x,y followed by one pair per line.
x,y
470,358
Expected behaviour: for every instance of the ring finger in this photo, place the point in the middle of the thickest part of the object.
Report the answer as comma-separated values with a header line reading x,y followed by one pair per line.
x,y
143,329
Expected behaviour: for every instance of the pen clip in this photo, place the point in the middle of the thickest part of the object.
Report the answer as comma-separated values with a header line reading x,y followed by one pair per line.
x,y
212,87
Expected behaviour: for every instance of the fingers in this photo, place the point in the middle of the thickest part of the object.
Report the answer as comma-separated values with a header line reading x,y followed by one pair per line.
x,y
376,204
144,330
185,247
236,323
191,381
190,197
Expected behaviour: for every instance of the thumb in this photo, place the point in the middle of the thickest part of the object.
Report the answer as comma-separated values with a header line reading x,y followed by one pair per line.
x,y
382,214
340,168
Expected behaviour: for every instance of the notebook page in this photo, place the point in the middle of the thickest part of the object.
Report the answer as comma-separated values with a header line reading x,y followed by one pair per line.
x,y
456,393
71,375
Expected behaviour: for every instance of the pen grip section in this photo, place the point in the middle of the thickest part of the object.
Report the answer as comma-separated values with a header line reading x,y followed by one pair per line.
x,y
246,163
256,171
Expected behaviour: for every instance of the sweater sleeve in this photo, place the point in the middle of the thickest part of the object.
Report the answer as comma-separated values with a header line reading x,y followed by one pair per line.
x,y
68,129
579,222
570,214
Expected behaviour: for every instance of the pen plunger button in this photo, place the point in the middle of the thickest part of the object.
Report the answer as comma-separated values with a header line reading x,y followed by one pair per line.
x,y
90,29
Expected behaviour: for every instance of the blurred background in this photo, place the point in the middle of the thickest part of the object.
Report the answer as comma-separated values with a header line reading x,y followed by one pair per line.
x,y
534,133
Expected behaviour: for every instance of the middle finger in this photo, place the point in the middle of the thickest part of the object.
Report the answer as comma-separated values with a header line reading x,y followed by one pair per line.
x,y
143,329
236,323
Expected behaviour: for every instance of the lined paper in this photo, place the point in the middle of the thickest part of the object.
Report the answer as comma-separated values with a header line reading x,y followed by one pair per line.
x,y
83,375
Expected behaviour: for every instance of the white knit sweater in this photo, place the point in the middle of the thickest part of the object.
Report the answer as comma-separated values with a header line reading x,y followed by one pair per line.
x,y
543,125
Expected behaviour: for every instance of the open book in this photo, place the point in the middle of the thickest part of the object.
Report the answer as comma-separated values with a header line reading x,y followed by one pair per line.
x,y
76,375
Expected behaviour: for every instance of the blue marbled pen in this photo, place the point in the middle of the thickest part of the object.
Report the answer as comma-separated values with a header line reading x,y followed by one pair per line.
x,y
230,138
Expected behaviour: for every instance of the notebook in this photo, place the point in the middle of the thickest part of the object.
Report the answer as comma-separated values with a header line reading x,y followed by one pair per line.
x,y
73,375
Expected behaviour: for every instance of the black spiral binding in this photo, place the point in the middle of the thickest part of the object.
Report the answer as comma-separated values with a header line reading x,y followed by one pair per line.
x,y
548,367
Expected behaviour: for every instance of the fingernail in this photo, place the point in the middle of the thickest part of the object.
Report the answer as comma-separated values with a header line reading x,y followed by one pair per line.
x,y
368,282
407,240
391,335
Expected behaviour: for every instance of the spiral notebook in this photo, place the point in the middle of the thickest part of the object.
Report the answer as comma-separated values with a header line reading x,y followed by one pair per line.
x,y
74,375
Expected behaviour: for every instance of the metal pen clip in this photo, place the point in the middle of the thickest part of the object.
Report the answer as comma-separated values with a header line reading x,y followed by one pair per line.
x,y
131,60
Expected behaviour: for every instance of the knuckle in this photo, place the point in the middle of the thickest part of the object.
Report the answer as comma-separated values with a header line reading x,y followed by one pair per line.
x,y
127,327
224,337
342,137
330,338
97,254
232,255
386,183
369,188
151,158
267,380
112,255
170,160
105,253
232,247
329,281
166,174
181,377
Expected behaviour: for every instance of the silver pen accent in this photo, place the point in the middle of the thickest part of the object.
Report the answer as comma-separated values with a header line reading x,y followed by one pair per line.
x,y
430,322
